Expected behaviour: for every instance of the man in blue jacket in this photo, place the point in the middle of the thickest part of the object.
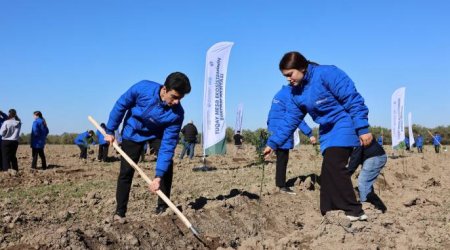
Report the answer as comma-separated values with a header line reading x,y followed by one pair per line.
x,y
153,114
419,143
102,145
437,142
83,140
276,116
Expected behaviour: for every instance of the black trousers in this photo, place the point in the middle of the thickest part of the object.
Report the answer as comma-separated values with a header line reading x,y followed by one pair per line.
x,y
9,150
35,152
103,152
83,152
436,148
282,161
336,190
133,150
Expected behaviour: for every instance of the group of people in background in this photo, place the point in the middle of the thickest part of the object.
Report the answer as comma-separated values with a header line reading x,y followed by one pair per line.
x,y
10,126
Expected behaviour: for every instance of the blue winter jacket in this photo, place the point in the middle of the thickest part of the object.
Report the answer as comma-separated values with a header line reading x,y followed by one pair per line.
x,y
277,114
329,96
100,138
147,117
419,141
39,133
437,139
82,139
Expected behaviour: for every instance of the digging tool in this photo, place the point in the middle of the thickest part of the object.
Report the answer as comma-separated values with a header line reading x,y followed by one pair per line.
x,y
149,181
445,148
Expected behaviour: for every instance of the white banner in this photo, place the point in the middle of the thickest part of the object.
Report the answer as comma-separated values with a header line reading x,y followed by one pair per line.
x,y
214,125
410,131
296,137
239,117
397,116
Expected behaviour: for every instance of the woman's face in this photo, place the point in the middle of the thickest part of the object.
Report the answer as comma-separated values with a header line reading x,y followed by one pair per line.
x,y
35,116
293,76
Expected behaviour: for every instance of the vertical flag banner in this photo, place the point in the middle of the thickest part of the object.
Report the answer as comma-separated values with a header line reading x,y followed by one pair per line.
x,y
296,137
214,125
397,116
410,131
239,116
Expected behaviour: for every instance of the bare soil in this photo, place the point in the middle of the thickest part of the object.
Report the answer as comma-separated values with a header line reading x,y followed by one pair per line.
x,y
71,205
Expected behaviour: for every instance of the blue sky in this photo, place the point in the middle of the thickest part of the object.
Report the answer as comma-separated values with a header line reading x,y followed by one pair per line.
x,y
71,59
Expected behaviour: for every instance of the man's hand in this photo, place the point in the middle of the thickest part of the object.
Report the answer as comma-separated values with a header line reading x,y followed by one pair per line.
x,y
313,140
267,151
365,139
154,186
110,139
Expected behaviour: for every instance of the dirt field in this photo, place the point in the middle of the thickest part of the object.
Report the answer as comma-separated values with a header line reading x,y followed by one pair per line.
x,y
70,205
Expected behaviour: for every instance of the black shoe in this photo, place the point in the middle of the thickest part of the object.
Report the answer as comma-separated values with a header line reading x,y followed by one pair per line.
x,y
287,190
160,209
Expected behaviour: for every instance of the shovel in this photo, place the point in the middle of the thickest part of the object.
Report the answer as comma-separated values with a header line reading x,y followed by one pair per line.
x,y
149,181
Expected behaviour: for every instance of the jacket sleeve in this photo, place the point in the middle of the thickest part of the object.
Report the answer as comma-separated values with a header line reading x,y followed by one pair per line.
x,y
3,129
343,88
125,102
168,145
287,126
355,159
306,130
35,129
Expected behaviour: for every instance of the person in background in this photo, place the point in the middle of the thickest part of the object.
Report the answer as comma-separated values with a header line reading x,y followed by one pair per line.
x,y
39,134
373,159
380,140
190,133
276,115
437,142
329,96
3,117
10,132
83,140
407,143
238,139
153,114
103,145
419,143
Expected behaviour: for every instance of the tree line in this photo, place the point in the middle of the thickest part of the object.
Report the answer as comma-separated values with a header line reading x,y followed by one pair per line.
x,y
253,136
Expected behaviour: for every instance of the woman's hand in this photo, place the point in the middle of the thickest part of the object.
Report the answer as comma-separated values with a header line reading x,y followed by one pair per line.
x,y
365,139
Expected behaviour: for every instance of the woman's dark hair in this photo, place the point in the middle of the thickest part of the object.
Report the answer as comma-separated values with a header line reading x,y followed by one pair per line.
x,y
294,60
179,82
39,114
13,114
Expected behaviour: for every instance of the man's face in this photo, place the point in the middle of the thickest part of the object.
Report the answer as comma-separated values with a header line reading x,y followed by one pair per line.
x,y
171,97
293,76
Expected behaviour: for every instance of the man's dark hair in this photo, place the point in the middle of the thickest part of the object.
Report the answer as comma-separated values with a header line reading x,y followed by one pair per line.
x,y
179,82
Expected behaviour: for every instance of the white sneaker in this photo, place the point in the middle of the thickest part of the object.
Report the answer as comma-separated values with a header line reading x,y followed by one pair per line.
x,y
362,217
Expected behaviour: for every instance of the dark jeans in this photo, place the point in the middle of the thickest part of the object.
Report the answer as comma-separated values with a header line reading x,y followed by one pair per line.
x,y
436,148
103,152
282,161
9,149
83,152
336,190
35,152
188,148
419,149
133,150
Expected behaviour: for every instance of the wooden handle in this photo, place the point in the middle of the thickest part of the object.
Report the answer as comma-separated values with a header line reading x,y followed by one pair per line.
x,y
144,176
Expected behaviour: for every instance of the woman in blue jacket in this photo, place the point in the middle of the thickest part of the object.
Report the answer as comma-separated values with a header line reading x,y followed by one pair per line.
x,y
39,134
329,96
153,113
276,115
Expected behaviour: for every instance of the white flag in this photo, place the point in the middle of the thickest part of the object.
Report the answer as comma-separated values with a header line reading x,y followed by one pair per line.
x,y
397,116
296,137
214,125
239,116
410,131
